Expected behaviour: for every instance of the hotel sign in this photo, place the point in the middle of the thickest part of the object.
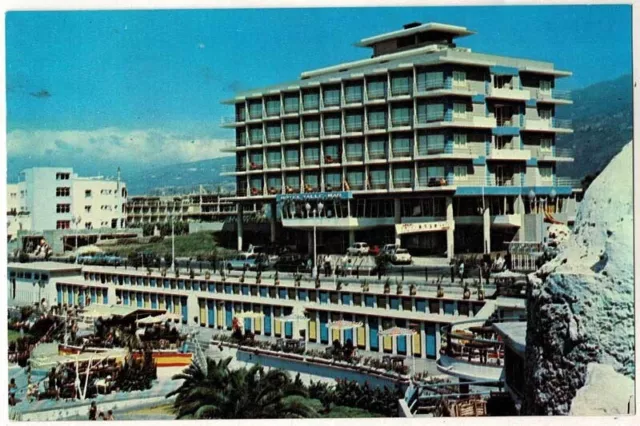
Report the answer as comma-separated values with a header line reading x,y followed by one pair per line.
x,y
413,228
316,196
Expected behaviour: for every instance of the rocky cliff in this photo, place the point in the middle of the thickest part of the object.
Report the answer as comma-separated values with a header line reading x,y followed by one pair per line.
x,y
580,305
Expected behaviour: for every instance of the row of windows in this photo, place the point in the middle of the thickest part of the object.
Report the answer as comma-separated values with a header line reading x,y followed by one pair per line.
x,y
63,224
63,208
28,275
286,293
63,191
63,176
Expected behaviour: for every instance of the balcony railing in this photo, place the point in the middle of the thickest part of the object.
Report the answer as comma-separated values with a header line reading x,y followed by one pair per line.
x,y
291,136
401,153
377,124
332,159
402,183
560,123
292,163
567,181
354,157
564,95
331,131
255,166
434,181
311,161
377,155
376,94
379,185
271,165
426,86
563,152
310,133
256,141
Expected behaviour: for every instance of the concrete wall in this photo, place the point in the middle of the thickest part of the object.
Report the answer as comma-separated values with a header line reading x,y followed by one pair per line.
x,y
205,226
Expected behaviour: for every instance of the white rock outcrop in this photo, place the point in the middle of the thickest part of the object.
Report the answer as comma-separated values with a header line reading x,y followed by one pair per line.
x,y
580,305
605,393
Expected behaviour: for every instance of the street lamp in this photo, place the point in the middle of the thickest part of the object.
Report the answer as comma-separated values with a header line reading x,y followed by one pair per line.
x,y
76,221
316,214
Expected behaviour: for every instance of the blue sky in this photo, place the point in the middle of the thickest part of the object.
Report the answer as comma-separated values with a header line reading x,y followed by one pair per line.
x,y
147,85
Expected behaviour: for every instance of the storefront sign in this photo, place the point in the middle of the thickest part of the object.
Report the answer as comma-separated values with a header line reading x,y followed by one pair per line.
x,y
316,196
413,228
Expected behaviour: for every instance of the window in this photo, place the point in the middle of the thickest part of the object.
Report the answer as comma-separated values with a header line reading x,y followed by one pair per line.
x,y
332,125
376,89
353,122
459,110
378,178
291,130
545,113
291,103
87,209
311,128
63,208
459,79
273,133
355,151
274,183
545,85
402,177
401,146
63,192
333,180
431,112
63,224
460,172
377,119
355,179
401,116
546,173
273,158
241,137
353,93
435,171
401,85
87,193
62,176
256,183
311,179
311,155
292,157
310,100
431,144
331,97
377,148
293,181
332,153
545,144
255,109
430,80
273,107
88,225
241,112
255,158
459,140
255,135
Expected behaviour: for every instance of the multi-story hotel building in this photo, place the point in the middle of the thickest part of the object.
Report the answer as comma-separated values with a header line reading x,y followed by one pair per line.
x,y
425,143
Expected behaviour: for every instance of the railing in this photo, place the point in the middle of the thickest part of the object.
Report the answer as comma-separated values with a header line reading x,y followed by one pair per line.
x,y
561,94
353,99
424,118
256,141
560,123
377,155
567,181
291,136
255,166
378,185
230,168
292,163
376,94
309,106
425,86
402,183
401,91
311,133
273,113
401,122
350,128
563,152
434,181
229,119
311,161
377,124
331,131
274,165
401,153
354,157
332,159
274,140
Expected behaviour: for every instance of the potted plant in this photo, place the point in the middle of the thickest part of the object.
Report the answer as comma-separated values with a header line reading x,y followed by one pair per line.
x,y
148,270
387,286
177,273
163,272
207,275
242,276
399,288
365,286
440,291
413,289
192,274
467,293
338,285
258,277
276,279
480,293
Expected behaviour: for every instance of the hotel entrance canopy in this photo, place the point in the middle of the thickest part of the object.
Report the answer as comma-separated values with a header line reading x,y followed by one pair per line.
x,y
316,196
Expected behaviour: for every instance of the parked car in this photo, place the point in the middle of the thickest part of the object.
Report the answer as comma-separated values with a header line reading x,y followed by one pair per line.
x,y
389,249
241,261
358,249
292,262
401,256
374,250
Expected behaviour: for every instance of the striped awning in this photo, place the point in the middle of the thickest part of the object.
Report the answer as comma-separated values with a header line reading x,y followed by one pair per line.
x,y
397,331
343,325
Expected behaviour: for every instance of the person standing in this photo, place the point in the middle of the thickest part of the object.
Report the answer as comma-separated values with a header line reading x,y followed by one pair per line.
x,y
93,411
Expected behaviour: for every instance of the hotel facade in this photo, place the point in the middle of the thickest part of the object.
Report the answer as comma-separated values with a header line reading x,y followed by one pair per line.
x,y
425,144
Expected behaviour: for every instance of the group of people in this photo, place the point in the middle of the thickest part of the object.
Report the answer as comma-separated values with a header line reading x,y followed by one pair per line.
x,y
95,415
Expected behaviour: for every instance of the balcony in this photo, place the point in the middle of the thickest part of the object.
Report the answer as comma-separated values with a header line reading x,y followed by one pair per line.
x,y
332,160
311,161
509,154
450,119
232,120
310,133
547,125
232,169
256,140
567,181
274,140
434,182
377,155
555,96
233,146
508,93
255,166
274,165
443,87
354,158
330,132
564,155
375,96
292,163
377,125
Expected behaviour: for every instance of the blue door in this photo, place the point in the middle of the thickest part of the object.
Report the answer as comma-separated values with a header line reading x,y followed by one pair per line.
x,y
139,300
227,289
169,301
302,295
185,310
369,301
324,297
267,319
247,324
449,308
373,334
346,298
228,306
212,288
394,303
94,295
245,289
348,334
181,285
421,305
105,296
154,301
211,313
401,340
324,330
282,293
59,294
125,297
430,341
263,292
288,326
70,295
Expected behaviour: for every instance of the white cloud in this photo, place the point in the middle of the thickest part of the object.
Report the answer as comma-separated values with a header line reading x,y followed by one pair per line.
x,y
150,146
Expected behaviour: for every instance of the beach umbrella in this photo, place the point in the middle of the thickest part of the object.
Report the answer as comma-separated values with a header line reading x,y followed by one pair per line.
x,y
396,332
151,320
343,325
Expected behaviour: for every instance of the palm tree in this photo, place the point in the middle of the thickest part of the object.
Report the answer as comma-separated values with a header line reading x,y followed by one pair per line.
x,y
223,393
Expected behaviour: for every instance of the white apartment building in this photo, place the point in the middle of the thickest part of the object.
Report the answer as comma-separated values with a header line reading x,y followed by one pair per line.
x,y
57,198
